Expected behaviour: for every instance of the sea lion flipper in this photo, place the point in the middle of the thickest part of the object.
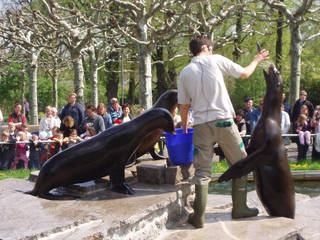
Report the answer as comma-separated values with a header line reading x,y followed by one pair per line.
x,y
155,155
246,165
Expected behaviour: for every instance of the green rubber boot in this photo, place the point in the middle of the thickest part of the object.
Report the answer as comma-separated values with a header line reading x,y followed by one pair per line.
x,y
199,206
239,199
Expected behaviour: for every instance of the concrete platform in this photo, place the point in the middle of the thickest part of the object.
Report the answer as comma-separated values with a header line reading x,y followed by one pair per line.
x,y
219,225
154,212
104,215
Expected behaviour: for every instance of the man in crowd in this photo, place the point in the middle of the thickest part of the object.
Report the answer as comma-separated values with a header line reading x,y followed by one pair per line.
x,y
73,109
93,120
202,82
248,109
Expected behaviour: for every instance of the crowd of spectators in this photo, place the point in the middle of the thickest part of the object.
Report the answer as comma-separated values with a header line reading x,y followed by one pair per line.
x,y
302,119
73,124
56,132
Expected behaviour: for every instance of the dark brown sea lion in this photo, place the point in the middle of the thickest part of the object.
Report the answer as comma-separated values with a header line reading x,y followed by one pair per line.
x,y
169,101
266,155
105,154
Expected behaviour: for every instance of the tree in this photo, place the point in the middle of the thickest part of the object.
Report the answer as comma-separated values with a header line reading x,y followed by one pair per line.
x,y
146,24
301,12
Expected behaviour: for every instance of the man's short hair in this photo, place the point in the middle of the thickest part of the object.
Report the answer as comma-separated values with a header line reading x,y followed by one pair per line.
x,y
73,94
248,99
196,43
91,106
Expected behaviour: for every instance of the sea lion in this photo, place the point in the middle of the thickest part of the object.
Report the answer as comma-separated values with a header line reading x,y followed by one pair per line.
x,y
104,154
266,155
169,101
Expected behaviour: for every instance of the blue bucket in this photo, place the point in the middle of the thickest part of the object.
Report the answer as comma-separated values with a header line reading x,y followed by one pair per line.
x,y
180,146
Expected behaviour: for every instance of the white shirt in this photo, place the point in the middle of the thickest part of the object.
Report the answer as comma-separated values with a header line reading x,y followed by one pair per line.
x,y
285,122
1,116
46,124
202,83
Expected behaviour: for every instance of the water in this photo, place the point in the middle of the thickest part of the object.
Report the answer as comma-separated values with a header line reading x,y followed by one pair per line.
x,y
311,188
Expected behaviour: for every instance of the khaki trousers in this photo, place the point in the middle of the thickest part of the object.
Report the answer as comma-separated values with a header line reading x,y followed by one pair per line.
x,y
204,137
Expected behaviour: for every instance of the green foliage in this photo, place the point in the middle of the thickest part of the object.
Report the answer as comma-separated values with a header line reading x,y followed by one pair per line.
x,y
20,173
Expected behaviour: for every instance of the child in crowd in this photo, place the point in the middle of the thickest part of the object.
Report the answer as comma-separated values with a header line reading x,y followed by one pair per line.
x,y
73,139
90,132
12,132
21,151
59,144
24,128
303,130
35,151
6,152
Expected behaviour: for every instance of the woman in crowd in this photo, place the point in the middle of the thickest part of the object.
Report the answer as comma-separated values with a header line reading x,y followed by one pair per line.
x,y
126,117
101,110
67,126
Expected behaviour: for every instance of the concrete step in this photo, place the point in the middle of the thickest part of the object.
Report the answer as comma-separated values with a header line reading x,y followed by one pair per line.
x,y
102,215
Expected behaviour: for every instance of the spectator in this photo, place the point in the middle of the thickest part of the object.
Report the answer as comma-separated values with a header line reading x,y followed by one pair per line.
x,y
17,117
93,120
21,151
303,129
126,116
25,128
35,152
248,109
12,132
47,122
90,132
58,146
56,119
26,108
286,104
284,121
316,127
73,109
255,115
6,152
73,138
139,111
115,111
67,125
106,116
296,111
240,122
1,117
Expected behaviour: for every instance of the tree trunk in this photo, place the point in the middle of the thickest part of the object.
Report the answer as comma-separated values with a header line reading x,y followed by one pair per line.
x,y
295,62
145,77
172,70
112,75
160,71
55,83
237,49
279,41
23,90
145,71
78,76
33,71
132,85
94,76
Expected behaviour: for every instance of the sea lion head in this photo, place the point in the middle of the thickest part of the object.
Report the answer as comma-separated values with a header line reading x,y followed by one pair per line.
x,y
168,100
274,84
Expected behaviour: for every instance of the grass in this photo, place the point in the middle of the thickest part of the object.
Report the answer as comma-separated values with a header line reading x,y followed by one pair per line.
x,y
218,167
20,173
221,167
